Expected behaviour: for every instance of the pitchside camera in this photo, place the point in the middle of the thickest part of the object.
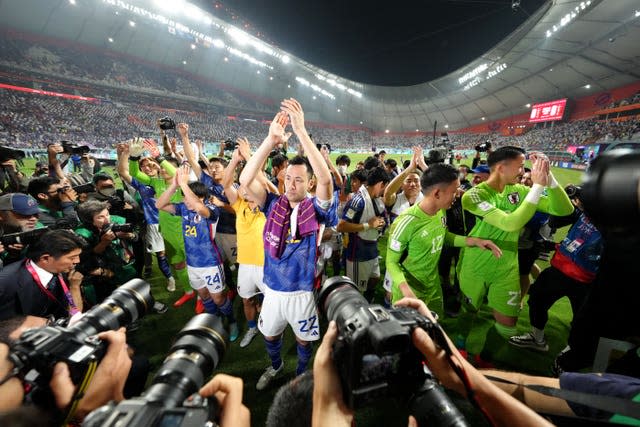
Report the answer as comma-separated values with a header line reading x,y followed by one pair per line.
x,y
197,351
485,146
38,350
230,145
375,356
70,148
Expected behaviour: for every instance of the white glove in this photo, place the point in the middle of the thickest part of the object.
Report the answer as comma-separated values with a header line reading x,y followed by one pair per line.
x,y
136,147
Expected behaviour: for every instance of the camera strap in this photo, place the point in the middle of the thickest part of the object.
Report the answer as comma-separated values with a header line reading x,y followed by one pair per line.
x,y
72,308
79,394
615,405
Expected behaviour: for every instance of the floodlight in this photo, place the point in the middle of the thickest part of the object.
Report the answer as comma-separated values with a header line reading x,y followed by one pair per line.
x,y
218,43
286,59
132,24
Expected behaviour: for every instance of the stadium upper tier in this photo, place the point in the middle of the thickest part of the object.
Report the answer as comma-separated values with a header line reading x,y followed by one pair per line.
x,y
563,47
32,121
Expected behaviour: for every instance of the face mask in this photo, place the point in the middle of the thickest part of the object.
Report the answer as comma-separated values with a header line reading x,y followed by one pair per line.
x,y
342,169
108,191
462,176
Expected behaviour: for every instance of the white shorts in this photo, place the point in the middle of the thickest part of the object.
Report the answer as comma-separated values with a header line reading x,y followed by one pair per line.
x,y
154,240
228,246
386,284
210,277
361,271
250,280
298,309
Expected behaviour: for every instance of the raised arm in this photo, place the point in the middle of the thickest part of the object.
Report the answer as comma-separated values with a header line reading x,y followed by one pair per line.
x,y
183,130
395,184
332,168
55,169
123,162
164,201
151,146
324,188
227,179
254,164
191,201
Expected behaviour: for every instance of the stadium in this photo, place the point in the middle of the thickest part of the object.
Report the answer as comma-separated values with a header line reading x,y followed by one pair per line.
x,y
560,80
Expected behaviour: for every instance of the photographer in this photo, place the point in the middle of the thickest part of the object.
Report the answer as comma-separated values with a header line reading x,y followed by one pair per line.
x,y
19,213
57,202
329,408
11,180
38,286
88,165
108,260
107,383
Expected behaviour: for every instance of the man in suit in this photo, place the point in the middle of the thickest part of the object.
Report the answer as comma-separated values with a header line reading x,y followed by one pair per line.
x,y
45,283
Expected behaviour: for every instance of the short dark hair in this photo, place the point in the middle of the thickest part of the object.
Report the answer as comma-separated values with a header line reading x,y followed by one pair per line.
x,y
278,160
527,170
220,160
391,163
8,326
199,189
88,209
508,152
359,174
299,160
343,159
55,243
41,185
371,162
292,405
438,173
101,177
377,175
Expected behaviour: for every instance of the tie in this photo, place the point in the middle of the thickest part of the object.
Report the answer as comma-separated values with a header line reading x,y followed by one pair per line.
x,y
53,283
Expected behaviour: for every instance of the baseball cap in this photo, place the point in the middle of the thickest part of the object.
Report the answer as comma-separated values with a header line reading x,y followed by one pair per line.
x,y
481,169
22,204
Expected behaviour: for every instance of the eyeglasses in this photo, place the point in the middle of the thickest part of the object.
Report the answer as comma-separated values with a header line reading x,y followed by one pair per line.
x,y
22,216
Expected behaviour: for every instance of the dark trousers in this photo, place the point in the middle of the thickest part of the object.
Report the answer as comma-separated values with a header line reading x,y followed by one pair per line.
x,y
550,286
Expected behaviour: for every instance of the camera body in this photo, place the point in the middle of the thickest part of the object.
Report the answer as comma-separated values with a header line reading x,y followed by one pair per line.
x,y
38,350
484,147
7,153
70,148
120,228
230,145
24,237
84,188
166,123
197,351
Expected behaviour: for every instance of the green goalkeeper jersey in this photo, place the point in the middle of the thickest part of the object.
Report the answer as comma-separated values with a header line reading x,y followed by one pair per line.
x,y
501,216
421,237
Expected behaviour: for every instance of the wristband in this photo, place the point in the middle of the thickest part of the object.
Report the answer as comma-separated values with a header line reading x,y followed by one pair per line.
x,y
365,226
534,194
160,158
134,158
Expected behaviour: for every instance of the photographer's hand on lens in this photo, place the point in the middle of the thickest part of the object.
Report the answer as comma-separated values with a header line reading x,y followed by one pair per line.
x,y
329,408
228,391
68,195
109,236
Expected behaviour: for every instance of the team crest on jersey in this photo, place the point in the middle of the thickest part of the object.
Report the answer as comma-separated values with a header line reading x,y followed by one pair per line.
x,y
513,198
197,218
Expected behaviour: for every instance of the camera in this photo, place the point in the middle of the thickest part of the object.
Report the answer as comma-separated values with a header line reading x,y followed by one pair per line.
x,y
70,148
38,350
319,147
197,351
613,179
7,153
118,228
436,155
573,191
230,145
485,146
166,123
23,238
84,188
375,356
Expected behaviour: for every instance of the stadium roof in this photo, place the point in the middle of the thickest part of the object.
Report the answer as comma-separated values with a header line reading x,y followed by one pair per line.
x,y
563,47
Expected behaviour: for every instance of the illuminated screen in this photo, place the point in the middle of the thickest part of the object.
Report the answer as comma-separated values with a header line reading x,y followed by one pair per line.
x,y
46,92
549,111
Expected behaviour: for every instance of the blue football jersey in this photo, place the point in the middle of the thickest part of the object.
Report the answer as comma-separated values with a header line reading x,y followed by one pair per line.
x,y
148,197
199,234
295,269
227,220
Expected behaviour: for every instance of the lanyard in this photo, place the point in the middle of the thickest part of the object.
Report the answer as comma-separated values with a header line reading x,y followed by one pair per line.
x,y
73,309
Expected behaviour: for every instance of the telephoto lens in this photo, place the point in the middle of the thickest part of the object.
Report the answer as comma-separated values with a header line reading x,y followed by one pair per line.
x,y
197,351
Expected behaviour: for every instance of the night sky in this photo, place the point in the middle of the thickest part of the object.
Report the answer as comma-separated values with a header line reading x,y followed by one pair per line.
x,y
391,43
